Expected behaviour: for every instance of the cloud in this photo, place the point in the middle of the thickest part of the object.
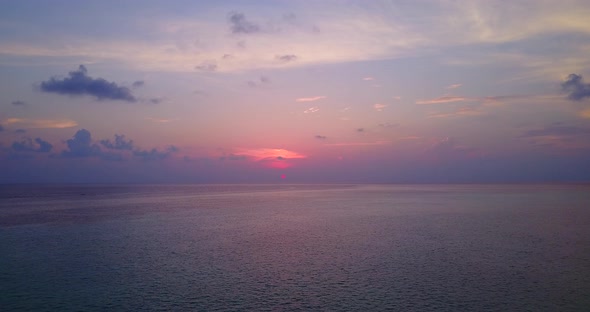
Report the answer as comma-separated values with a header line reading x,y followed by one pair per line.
x,y
81,84
27,145
42,123
368,78
453,99
154,153
379,107
240,25
311,110
81,145
465,111
310,99
321,137
557,130
18,103
119,144
138,83
259,154
359,143
444,99
453,86
360,130
261,81
19,131
578,90
159,120
389,125
207,66
234,157
156,100
1,128
286,58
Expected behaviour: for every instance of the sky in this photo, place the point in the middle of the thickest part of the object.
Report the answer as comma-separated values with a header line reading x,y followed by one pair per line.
x,y
294,91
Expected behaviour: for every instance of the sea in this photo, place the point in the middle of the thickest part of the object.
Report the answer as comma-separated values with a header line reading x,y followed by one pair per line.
x,y
304,247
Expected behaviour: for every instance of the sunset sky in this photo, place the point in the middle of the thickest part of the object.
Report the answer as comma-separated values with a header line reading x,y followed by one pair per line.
x,y
294,91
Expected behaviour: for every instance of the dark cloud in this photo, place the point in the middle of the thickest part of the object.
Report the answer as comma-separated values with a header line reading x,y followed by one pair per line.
x,y
20,131
156,100
81,145
154,153
18,103
286,58
79,83
227,56
234,157
1,128
138,83
321,137
209,66
360,130
575,86
27,145
240,25
556,130
118,144
280,158
120,148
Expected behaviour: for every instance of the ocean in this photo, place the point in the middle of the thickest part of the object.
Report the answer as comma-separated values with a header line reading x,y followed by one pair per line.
x,y
295,247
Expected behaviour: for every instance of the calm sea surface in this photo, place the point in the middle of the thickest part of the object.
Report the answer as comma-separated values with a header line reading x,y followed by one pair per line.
x,y
295,248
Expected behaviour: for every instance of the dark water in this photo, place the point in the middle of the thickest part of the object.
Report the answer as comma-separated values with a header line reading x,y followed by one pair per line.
x,y
295,248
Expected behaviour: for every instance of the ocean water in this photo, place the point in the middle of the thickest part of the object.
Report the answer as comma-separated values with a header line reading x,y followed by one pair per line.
x,y
295,248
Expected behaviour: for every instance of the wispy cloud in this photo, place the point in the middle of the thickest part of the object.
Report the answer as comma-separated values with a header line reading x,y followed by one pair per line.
x,y
453,86
488,99
18,103
349,33
445,99
379,107
465,111
359,143
311,110
321,137
41,123
368,78
310,99
159,120
557,130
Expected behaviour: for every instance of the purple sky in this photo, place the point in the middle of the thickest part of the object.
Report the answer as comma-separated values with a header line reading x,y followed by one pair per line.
x,y
294,91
